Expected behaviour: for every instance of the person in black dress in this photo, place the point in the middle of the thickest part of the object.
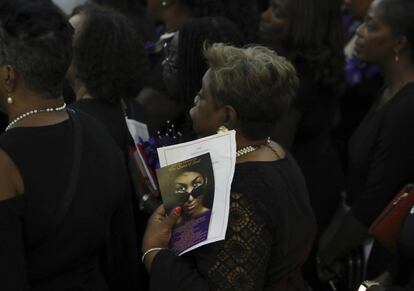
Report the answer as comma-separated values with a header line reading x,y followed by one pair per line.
x,y
309,33
66,219
107,72
381,157
184,65
108,67
271,224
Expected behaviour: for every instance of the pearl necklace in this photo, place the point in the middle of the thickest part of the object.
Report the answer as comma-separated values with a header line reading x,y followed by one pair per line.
x,y
246,150
250,148
32,112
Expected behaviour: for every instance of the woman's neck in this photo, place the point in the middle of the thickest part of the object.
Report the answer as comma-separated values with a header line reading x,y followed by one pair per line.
x,y
397,74
80,90
242,141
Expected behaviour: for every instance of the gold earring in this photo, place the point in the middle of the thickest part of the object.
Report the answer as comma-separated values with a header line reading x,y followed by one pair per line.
x,y
222,129
10,99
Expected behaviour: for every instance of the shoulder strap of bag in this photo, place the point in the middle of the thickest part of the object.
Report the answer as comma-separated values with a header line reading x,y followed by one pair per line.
x,y
67,198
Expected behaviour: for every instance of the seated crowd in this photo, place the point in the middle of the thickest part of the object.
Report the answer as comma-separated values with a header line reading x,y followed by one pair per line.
x,y
320,94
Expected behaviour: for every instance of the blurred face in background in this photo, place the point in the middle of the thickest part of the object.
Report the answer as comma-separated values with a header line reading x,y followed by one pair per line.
x,y
357,8
273,23
375,41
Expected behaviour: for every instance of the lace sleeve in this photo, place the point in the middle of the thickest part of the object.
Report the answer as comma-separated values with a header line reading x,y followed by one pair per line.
x,y
237,263
241,260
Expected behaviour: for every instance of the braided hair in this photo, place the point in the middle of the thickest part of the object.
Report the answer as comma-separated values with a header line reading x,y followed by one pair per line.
x,y
193,35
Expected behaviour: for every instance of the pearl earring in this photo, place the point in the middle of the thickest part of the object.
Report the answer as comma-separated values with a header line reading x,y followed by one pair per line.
x,y
10,100
222,129
397,58
164,3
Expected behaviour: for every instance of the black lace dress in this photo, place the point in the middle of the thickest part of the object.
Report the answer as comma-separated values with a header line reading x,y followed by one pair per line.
x,y
270,232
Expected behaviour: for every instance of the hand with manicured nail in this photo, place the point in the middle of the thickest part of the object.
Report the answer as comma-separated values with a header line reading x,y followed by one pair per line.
x,y
158,232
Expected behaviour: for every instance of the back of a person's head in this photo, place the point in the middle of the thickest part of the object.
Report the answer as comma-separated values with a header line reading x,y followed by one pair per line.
x,y
36,40
315,34
255,81
399,15
109,57
193,34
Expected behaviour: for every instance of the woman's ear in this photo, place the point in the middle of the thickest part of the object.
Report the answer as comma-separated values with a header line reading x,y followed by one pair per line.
x,y
401,45
230,117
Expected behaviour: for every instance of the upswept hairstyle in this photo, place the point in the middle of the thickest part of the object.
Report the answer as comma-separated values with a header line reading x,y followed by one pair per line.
x,y
399,15
192,65
255,81
36,40
109,55
315,34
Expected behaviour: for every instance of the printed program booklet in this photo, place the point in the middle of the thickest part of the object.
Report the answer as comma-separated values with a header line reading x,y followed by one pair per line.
x,y
189,184
197,175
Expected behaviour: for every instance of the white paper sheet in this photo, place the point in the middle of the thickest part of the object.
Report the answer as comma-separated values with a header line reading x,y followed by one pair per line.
x,y
222,148
138,130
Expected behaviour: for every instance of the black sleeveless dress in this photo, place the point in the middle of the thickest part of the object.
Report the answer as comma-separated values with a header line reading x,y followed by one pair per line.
x,y
94,246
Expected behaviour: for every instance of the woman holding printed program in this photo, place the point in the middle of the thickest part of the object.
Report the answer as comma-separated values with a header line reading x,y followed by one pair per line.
x,y
271,225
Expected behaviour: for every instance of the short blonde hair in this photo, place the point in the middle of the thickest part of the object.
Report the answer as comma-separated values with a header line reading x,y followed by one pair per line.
x,y
259,84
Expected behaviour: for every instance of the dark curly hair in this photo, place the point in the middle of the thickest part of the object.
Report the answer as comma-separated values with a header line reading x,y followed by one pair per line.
x,y
36,40
315,35
193,35
109,56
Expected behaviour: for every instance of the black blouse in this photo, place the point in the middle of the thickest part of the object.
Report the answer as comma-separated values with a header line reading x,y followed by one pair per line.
x,y
270,232
381,156
94,247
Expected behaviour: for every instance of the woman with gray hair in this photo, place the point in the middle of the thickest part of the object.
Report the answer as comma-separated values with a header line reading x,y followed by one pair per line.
x,y
271,224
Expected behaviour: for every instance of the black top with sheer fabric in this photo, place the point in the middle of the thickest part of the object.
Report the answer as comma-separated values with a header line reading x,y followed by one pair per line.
x,y
94,246
270,232
381,156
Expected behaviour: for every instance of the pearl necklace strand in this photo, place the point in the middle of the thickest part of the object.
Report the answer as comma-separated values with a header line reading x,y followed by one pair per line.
x,y
250,148
246,150
32,112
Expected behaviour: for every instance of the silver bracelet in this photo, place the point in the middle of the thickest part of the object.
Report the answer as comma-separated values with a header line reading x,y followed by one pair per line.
x,y
150,251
